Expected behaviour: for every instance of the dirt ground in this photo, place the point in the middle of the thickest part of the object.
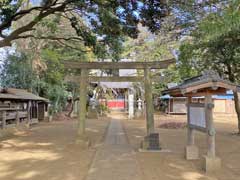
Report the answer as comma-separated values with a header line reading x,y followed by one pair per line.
x,y
49,152
172,165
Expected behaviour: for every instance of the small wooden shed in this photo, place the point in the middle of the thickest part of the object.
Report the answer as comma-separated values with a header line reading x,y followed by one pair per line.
x,y
200,115
19,105
223,104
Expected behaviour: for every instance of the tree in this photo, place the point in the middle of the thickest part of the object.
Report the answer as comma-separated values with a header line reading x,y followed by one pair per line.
x,y
86,17
36,64
93,19
215,44
16,72
156,47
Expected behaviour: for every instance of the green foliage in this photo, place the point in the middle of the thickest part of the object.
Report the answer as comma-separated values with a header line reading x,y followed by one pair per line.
x,y
58,96
215,44
107,20
16,72
152,47
189,66
8,8
103,108
55,69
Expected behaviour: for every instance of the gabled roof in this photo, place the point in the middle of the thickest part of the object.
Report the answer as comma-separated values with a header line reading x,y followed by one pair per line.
x,y
198,85
19,94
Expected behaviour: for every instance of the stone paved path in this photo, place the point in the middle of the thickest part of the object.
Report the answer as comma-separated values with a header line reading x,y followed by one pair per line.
x,y
115,160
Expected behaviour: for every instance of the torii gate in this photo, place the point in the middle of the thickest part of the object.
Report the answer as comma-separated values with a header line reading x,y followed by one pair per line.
x,y
84,78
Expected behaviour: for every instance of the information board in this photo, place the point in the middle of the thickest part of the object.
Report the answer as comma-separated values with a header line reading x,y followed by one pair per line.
x,y
197,119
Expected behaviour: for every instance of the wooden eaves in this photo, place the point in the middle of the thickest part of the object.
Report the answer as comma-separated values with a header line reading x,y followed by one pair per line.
x,y
199,85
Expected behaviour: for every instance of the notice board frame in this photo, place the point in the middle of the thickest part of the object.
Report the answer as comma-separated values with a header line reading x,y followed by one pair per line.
x,y
195,126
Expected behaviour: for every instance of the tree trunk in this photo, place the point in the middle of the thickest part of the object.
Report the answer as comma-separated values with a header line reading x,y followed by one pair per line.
x,y
237,108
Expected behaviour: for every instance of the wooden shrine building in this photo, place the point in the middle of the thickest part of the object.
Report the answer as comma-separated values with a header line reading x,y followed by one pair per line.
x,y
20,106
200,114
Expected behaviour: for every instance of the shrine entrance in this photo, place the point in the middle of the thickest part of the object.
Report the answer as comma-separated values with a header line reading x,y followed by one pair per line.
x,y
151,141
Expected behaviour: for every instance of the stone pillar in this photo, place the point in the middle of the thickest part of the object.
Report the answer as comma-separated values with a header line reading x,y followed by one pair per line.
x,y
82,139
75,109
82,102
149,102
139,112
130,104
126,101
211,162
151,141
191,150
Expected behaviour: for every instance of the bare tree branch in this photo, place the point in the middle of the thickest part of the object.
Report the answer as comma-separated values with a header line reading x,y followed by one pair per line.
x,y
50,37
6,41
71,47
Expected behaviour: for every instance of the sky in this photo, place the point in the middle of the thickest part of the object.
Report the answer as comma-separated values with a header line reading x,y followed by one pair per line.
x,y
2,55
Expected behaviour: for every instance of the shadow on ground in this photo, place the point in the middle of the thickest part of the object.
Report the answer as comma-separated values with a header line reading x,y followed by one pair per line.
x,y
48,151
173,166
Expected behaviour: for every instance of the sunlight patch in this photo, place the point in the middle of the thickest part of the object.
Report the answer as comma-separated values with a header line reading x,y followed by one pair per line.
x,y
192,176
27,175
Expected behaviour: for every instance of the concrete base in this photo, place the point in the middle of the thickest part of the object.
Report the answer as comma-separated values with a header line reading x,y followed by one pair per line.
x,y
211,164
191,152
83,141
150,143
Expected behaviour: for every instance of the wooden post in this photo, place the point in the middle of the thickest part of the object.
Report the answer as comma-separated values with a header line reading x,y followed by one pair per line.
x,y
4,117
37,114
190,130
82,102
17,118
210,126
28,113
211,162
148,99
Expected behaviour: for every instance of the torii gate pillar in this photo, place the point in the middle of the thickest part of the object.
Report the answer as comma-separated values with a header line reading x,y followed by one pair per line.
x,y
151,140
82,138
149,101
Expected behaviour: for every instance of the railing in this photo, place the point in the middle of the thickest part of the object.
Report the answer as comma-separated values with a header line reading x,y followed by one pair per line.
x,y
11,117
